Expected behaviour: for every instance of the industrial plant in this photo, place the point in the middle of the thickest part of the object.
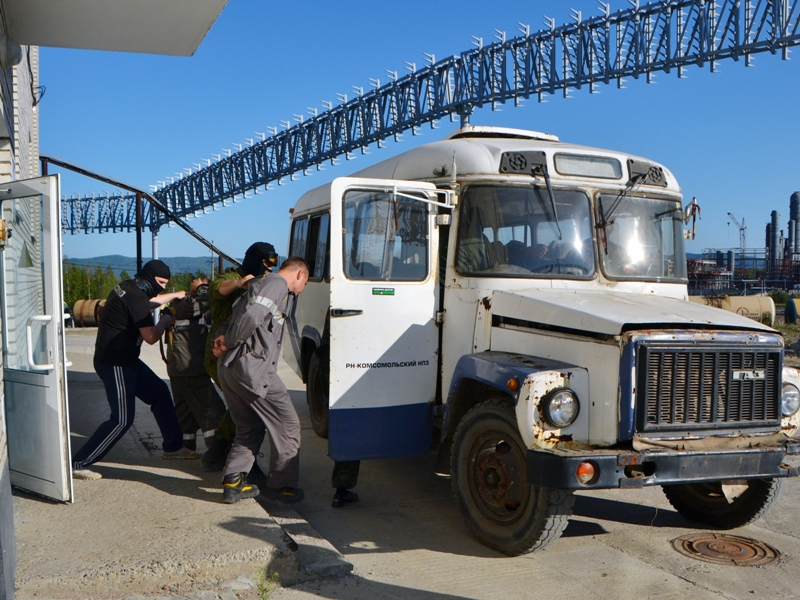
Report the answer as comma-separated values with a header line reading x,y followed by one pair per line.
x,y
746,270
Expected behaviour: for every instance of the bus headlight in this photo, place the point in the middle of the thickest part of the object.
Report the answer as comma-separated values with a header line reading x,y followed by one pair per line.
x,y
561,407
790,400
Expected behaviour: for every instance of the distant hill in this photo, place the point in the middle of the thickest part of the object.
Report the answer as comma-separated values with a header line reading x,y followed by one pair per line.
x,y
177,264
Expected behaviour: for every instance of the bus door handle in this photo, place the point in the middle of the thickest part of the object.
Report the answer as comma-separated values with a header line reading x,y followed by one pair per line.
x,y
346,312
29,336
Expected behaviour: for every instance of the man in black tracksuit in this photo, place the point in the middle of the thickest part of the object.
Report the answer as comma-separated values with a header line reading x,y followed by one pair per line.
x,y
126,321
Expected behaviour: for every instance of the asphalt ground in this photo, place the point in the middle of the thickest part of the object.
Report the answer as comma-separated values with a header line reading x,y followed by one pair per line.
x,y
404,538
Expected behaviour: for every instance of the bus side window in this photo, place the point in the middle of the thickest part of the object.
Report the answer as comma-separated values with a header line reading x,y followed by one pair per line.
x,y
319,249
297,246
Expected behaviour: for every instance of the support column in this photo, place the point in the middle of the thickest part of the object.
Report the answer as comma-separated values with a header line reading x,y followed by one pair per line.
x,y
138,233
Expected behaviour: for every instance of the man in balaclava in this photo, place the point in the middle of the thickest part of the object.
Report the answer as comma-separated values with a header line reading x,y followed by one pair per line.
x,y
259,260
127,319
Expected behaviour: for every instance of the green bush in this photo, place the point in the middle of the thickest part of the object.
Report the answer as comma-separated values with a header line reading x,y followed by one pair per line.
x,y
779,297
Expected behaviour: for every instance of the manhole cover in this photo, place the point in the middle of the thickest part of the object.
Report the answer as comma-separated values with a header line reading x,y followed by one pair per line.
x,y
725,549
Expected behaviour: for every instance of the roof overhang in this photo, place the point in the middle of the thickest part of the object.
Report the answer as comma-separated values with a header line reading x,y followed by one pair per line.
x,y
172,27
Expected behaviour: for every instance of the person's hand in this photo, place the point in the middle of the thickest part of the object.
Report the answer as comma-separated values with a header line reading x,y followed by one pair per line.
x,y
219,346
244,281
180,294
165,321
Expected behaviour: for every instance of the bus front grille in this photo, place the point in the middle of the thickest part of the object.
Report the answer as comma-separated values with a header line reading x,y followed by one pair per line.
x,y
681,388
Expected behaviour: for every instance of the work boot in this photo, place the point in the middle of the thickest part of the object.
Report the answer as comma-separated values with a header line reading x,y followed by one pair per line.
x,y
343,496
218,448
286,495
234,488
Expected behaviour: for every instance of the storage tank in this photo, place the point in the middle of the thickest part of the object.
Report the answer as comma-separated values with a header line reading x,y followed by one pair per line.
x,y
758,308
731,261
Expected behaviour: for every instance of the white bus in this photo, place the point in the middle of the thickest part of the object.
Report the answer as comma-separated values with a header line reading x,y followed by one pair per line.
x,y
520,304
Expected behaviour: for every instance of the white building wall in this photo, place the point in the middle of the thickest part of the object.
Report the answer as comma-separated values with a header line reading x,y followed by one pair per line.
x,y
19,159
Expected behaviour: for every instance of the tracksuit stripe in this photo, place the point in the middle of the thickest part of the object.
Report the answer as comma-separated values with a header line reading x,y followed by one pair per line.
x,y
122,420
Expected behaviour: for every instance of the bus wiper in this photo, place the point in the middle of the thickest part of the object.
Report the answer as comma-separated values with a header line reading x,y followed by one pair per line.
x,y
538,162
633,183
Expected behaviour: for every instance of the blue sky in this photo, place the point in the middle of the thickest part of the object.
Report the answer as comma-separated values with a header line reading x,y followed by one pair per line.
x,y
731,138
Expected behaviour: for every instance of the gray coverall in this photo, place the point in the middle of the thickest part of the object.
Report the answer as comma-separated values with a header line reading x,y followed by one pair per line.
x,y
257,399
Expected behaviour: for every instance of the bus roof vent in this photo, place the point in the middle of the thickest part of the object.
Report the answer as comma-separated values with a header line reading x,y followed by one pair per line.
x,y
480,131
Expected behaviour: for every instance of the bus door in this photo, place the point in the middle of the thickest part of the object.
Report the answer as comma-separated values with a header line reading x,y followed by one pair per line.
x,y
383,303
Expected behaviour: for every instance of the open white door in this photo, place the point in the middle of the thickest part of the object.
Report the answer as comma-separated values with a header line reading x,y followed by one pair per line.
x,y
383,303
34,352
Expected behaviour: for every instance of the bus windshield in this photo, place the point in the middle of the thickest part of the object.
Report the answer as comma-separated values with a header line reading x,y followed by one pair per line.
x,y
513,231
643,239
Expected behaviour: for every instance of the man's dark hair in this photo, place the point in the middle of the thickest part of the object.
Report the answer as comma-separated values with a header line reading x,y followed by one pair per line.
x,y
295,262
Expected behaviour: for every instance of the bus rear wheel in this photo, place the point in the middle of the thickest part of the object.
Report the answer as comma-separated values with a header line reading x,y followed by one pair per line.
x,y
490,484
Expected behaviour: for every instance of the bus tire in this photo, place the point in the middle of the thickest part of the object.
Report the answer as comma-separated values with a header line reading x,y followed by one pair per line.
x,y
317,390
490,484
706,504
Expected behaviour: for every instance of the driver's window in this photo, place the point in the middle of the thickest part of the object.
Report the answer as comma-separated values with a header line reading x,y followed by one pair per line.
x,y
643,238
513,231
385,237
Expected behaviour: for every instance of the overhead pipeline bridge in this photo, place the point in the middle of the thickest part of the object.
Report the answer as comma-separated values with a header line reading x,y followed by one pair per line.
x,y
666,36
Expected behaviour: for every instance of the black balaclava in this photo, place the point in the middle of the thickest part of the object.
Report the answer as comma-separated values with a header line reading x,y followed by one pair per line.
x,y
146,280
253,259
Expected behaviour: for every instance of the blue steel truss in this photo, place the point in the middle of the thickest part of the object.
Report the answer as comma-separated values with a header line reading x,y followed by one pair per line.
x,y
665,36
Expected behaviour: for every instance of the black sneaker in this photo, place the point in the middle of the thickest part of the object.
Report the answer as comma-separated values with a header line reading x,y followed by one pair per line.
x,y
234,488
343,496
287,495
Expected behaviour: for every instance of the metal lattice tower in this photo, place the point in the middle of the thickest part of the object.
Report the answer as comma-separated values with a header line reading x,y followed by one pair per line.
x,y
665,36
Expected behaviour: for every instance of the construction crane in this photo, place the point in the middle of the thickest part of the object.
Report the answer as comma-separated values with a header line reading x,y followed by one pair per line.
x,y
742,227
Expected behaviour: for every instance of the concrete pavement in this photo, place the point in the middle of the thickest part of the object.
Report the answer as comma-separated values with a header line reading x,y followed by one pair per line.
x,y
153,525
404,538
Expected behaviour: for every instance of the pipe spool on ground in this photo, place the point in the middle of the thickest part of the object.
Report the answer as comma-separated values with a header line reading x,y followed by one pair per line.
x,y
86,313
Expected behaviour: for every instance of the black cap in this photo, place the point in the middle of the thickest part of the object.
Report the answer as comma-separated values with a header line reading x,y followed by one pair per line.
x,y
254,257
